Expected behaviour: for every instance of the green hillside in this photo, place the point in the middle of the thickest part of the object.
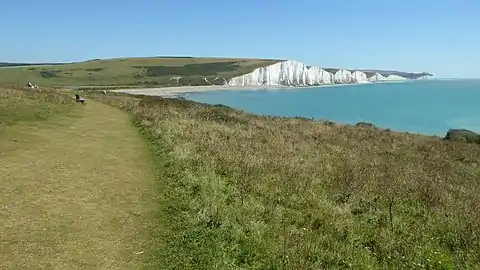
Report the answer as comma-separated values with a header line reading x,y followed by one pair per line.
x,y
8,64
240,191
209,187
153,71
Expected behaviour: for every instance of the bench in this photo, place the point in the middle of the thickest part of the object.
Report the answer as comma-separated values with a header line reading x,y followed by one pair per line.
x,y
78,99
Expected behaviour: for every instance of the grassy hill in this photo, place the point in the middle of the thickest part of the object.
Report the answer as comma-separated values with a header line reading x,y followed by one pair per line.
x,y
232,190
124,72
241,191
408,75
147,72
7,64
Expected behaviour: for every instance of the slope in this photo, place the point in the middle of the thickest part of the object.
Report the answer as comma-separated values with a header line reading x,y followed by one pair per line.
x,y
75,191
148,71
251,192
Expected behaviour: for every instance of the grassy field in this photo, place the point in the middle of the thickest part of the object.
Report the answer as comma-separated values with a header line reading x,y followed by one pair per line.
x,y
240,191
26,106
223,189
153,71
77,185
9,65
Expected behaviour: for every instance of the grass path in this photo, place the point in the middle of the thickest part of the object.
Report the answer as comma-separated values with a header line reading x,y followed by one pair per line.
x,y
75,192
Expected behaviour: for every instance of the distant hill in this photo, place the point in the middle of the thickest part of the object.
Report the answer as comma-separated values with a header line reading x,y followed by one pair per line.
x,y
371,72
409,75
7,64
144,71
140,71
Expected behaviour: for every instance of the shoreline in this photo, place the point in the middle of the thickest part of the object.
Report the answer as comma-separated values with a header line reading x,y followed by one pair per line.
x,y
182,91
176,91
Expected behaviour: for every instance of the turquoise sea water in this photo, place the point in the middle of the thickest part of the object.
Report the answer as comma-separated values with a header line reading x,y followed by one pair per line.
x,y
427,107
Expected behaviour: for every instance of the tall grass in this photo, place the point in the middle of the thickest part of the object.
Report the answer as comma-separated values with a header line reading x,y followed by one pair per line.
x,y
21,105
240,191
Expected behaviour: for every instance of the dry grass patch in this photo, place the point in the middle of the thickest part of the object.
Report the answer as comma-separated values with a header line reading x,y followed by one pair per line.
x,y
76,191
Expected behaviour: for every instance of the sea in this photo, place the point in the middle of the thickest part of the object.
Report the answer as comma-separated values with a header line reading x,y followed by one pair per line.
x,y
429,107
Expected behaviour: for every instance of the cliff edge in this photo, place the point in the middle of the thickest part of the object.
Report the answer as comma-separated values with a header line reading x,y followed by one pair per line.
x,y
295,73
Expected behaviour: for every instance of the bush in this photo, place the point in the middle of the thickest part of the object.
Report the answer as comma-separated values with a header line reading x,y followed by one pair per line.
x,y
462,135
206,69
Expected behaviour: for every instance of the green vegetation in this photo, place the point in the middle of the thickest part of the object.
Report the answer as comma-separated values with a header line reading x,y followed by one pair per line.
x,y
76,182
332,70
6,64
162,71
463,135
386,73
232,190
240,191
17,105
207,69
154,71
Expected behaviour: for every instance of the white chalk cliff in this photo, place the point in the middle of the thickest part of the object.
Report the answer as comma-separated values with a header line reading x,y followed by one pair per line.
x,y
294,73
376,77
394,78
359,77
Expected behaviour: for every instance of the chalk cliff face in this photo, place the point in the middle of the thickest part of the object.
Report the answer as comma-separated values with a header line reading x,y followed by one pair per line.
x,y
376,77
395,78
359,77
343,76
294,73
316,76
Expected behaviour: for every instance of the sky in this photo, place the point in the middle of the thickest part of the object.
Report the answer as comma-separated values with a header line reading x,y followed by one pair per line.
x,y
441,37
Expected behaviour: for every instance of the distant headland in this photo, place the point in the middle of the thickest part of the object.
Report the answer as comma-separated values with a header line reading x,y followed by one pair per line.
x,y
180,71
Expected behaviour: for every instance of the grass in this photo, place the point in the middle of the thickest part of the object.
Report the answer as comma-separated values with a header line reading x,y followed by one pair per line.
x,y
19,105
76,185
8,65
232,190
153,71
240,191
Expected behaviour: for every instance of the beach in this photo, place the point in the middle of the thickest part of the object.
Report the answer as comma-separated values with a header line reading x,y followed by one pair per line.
x,y
183,90
177,91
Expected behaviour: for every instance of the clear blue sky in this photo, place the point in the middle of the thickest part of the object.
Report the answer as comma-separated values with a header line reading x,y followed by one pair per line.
x,y
440,36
